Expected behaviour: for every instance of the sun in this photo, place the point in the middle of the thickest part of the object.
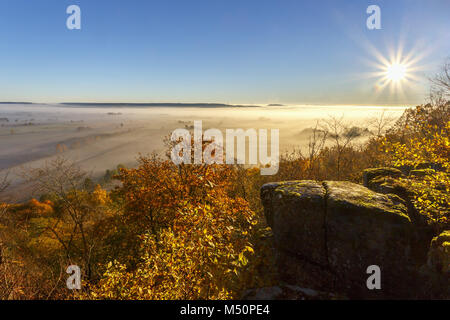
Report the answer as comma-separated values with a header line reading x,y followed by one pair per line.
x,y
396,72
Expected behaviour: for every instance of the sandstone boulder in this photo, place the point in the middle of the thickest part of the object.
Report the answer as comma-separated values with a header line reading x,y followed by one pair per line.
x,y
296,213
287,292
439,254
436,273
326,234
386,181
373,173
366,228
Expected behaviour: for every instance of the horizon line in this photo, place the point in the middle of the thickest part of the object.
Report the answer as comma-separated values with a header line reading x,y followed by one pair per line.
x,y
84,103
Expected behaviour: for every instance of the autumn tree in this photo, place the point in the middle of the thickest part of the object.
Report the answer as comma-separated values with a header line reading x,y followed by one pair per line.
x,y
193,239
74,226
440,85
429,152
341,136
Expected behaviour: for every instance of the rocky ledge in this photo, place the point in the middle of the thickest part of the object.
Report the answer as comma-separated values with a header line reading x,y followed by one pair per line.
x,y
326,235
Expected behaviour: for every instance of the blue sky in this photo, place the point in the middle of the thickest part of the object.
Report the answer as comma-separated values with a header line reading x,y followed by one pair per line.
x,y
231,51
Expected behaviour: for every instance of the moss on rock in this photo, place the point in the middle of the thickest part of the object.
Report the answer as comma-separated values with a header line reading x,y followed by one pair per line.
x,y
372,173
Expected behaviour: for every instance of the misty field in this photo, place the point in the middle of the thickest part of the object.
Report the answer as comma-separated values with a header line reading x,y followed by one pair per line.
x,y
99,138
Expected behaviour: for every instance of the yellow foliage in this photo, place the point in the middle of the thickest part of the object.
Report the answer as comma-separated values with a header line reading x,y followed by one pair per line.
x,y
432,191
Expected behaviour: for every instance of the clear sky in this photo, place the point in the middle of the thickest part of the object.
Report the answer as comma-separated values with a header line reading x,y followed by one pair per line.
x,y
231,51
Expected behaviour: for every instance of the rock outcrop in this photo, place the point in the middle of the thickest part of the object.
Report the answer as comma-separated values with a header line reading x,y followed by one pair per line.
x,y
439,255
286,292
327,234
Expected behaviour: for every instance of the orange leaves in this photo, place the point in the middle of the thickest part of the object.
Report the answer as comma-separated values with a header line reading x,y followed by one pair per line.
x,y
31,209
157,189
193,233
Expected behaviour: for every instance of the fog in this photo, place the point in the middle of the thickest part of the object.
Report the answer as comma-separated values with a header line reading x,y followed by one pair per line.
x,y
100,138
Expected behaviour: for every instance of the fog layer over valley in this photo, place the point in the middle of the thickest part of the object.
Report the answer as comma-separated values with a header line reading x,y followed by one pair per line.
x,y
98,138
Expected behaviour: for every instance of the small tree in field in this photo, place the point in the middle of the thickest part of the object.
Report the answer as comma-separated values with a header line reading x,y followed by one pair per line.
x,y
341,135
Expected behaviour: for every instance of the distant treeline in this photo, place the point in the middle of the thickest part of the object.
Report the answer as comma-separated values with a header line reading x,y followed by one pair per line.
x,y
6,102
198,105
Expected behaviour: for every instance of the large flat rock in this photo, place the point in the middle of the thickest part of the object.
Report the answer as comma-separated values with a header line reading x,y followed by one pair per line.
x,y
333,231
295,211
366,228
